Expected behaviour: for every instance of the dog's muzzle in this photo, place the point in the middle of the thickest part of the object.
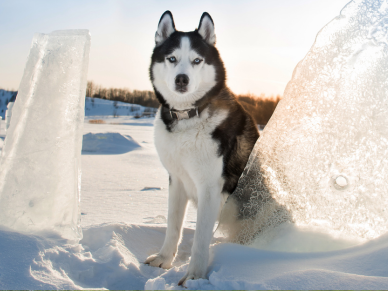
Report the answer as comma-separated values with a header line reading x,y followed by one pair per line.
x,y
181,82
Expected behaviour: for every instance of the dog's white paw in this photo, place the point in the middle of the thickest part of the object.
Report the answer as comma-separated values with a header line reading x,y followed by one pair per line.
x,y
158,260
191,276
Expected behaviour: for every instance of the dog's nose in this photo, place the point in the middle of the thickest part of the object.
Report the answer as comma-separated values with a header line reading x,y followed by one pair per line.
x,y
181,80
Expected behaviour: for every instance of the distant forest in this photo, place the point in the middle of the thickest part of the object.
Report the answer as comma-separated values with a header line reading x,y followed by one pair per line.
x,y
144,98
260,107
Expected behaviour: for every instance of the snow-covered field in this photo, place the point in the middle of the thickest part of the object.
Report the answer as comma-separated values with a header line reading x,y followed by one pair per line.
x,y
119,161
124,208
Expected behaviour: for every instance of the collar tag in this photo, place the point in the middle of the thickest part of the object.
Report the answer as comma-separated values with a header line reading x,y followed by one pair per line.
x,y
183,114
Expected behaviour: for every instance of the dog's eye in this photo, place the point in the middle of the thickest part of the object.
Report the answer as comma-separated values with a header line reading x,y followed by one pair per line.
x,y
197,61
172,59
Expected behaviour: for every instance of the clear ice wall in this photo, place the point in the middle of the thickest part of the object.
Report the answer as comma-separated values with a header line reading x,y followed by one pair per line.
x,y
322,160
40,163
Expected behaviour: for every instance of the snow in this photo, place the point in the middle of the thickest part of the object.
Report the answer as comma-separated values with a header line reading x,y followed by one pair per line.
x,y
107,143
128,172
362,267
40,161
95,107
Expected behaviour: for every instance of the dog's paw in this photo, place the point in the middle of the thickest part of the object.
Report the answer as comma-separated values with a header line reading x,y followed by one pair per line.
x,y
190,276
158,260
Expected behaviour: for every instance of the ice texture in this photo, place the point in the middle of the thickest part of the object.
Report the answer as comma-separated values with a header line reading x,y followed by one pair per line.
x,y
322,160
40,164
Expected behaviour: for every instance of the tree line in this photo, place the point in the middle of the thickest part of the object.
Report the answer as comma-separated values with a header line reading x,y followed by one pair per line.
x,y
260,107
144,98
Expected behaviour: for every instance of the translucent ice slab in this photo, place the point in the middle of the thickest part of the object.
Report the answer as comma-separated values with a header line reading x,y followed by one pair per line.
x,y
322,160
40,163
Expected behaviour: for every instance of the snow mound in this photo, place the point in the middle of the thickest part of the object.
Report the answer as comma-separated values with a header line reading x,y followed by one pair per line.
x,y
361,267
156,220
287,237
110,143
240,267
109,256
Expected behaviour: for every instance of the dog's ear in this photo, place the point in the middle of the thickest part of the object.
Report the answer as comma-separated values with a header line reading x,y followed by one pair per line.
x,y
206,28
165,28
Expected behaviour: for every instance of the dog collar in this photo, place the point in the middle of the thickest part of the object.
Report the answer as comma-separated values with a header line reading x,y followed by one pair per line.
x,y
184,114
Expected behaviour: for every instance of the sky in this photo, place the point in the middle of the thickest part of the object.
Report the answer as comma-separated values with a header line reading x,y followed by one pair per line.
x,y
260,41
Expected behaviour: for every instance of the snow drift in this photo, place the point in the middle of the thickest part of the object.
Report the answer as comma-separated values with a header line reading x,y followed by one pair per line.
x,y
107,143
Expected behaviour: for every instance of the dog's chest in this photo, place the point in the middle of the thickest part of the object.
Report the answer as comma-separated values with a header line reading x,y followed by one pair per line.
x,y
189,150
189,140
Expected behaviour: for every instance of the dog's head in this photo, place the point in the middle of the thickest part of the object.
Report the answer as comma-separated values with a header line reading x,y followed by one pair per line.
x,y
185,66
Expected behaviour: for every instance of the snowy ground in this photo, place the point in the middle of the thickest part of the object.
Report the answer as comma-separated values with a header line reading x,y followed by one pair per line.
x,y
124,207
119,161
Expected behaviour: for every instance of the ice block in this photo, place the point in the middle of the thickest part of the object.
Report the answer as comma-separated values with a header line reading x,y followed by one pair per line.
x,y
40,164
322,160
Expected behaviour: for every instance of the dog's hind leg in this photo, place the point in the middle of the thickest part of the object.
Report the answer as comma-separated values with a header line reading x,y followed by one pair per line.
x,y
177,204
209,204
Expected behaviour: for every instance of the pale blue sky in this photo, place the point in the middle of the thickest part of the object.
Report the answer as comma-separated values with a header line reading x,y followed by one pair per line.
x,y
260,41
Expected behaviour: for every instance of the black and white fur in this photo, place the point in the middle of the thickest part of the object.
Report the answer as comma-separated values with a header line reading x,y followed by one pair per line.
x,y
206,154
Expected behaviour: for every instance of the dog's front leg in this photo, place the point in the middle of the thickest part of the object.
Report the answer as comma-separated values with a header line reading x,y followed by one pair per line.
x,y
177,204
209,203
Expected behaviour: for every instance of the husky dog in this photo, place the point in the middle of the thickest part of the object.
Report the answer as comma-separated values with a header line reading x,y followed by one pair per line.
x,y
202,134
